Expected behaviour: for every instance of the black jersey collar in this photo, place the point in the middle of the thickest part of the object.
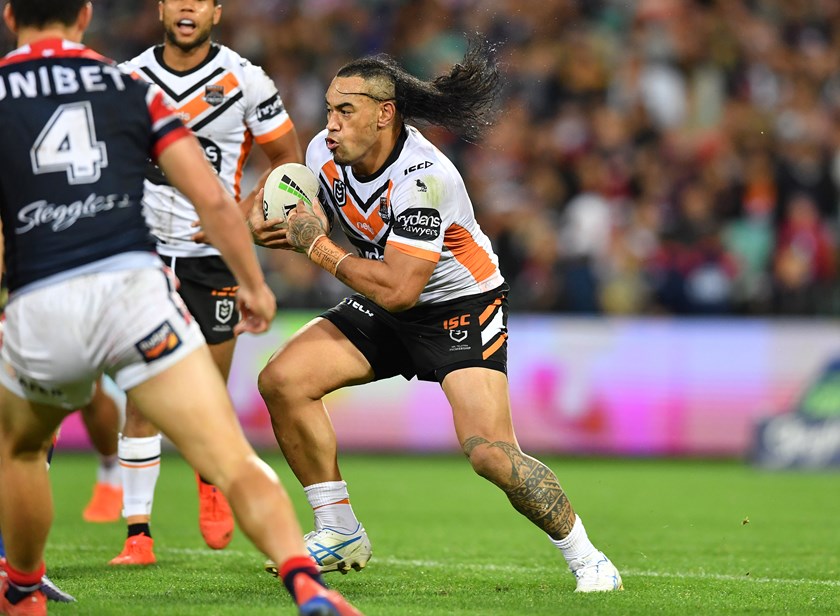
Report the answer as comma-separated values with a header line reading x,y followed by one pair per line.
x,y
214,51
392,158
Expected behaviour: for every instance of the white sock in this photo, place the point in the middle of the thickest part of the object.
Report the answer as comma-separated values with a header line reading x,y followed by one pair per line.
x,y
576,545
140,463
109,471
331,503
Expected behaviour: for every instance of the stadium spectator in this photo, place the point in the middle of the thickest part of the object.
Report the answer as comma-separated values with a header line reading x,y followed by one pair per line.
x,y
430,301
805,259
85,300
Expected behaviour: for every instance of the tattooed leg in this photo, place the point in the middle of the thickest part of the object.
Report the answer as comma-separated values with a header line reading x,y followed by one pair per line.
x,y
531,487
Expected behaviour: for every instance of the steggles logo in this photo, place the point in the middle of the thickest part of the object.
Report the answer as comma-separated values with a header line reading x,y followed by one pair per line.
x,y
61,216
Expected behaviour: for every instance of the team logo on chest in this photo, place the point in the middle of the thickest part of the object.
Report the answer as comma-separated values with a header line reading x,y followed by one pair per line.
x,y
214,95
339,193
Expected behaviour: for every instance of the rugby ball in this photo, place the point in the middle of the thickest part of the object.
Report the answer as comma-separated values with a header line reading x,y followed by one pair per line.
x,y
285,186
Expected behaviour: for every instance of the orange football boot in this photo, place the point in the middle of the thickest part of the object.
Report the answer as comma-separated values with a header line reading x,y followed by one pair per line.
x,y
215,519
136,551
105,505
34,604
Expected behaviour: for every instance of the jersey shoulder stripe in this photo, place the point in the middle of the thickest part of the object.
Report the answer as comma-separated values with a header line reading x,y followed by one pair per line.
x,y
223,81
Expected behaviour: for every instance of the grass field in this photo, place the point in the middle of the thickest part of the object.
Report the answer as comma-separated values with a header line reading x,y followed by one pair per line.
x,y
688,537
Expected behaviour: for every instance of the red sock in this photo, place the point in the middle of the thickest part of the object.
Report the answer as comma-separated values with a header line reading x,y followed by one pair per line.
x,y
22,584
25,580
298,565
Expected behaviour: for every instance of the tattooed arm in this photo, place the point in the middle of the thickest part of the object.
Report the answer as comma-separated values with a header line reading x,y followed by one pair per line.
x,y
305,228
395,283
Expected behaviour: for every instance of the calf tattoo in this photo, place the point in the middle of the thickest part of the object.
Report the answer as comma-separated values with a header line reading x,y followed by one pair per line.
x,y
532,488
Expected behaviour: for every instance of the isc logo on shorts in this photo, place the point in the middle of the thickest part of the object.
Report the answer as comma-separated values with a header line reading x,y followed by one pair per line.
x,y
159,343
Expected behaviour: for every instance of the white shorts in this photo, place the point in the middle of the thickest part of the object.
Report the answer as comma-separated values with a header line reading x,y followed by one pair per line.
x,y
58,339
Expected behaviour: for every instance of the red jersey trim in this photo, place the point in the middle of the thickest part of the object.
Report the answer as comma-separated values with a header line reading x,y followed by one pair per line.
x,y
52,48
179,132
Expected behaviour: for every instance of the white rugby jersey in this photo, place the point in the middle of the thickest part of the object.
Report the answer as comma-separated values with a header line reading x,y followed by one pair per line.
x,y
228,103
416,203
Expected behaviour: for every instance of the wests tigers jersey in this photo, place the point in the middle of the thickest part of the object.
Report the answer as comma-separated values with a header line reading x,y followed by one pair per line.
x,y
228,103
416,203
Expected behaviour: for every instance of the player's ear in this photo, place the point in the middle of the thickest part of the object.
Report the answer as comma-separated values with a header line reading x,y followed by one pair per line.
x,y
387,112
9,18
85,15
217,13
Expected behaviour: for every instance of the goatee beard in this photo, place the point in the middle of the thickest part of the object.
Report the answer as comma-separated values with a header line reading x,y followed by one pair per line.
x,y
172,38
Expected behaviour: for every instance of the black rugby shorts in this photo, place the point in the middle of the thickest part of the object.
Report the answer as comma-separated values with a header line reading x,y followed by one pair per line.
x,y
208,288
428,341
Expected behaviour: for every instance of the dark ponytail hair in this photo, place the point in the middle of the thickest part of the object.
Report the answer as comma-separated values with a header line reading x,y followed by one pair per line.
x,y
464,101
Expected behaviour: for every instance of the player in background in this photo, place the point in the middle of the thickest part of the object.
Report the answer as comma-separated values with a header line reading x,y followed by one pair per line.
x,y
75,135
102,419
430,302
228,103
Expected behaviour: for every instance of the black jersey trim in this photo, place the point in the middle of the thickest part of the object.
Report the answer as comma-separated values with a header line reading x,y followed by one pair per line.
x,y
214,51
175,96
392,158
374,198
354,235
219,111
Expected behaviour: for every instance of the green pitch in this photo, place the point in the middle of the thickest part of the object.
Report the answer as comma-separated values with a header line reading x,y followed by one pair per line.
x,y
688,537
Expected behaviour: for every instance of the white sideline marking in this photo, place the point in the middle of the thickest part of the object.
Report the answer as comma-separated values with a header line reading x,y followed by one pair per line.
x,y
433,564
701,575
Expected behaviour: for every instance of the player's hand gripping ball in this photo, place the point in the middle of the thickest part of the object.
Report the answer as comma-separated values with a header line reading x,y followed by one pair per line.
x,y
286,185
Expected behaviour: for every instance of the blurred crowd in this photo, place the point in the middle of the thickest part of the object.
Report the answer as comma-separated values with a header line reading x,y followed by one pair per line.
x,y
653,156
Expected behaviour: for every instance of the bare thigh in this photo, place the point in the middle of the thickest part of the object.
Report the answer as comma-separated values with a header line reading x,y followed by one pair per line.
x,y
136,424
317,360
189,403
26,427
480,404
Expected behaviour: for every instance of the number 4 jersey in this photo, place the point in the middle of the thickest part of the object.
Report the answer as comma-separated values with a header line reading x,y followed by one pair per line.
x,y
75,137
228,103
